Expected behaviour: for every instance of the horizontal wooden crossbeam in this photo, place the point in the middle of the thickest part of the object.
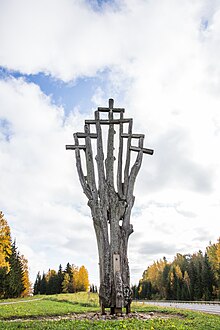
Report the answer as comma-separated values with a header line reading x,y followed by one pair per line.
x,y
133,136
108,122
83,147
124,135
113,110
74,147
84,135
145,150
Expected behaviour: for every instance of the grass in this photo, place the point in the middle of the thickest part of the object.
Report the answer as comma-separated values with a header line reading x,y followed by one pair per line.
x,y
35,315
53,305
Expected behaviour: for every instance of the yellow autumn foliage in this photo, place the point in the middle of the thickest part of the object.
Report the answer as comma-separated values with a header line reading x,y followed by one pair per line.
x,y
5,242
154,273
25,278
213,252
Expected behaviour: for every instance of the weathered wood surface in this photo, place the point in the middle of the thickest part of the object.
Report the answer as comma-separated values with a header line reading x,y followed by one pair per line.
x,y
110,207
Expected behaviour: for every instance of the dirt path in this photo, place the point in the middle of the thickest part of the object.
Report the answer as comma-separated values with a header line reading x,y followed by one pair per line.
x,y
18,302
97,317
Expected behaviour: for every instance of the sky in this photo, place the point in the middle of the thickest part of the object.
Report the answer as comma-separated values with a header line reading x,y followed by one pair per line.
x,y
59,61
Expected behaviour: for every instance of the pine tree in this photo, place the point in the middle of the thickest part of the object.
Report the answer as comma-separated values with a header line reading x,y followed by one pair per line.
x,y
198,261
60,278
43,284
166,282
134,289
70,271
14,280
92,288
3,276
208,280
52,282
186,286
37,284
192,275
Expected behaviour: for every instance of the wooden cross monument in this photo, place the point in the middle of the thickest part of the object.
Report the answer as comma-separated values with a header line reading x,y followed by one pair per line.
x,y
109,187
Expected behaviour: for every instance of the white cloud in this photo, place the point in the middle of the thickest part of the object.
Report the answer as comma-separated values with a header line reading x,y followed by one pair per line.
x,y
161,62
40,198
69,39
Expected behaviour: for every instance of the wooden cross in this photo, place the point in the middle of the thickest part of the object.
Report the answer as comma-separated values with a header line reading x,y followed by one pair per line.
x,y
110,207
110,121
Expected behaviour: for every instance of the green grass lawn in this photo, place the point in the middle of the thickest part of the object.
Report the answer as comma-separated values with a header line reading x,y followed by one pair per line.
x,y
47,313
50,305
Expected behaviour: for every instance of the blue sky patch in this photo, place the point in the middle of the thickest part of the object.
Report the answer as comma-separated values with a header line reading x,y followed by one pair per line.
x,y
5,129
204,23
99,5
69,95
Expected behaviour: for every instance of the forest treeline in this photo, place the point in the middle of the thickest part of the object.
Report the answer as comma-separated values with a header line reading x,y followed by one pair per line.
x,y
187,277
14,277
72,279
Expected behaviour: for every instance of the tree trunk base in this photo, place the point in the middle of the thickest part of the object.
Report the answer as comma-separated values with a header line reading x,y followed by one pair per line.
x,y
103,310
115,310
128,309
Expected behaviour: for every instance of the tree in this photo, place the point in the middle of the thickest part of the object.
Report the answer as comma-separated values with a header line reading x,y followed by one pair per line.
x,y
37,284
14,279
52,282
154,274
186,286
5,252
213,254
74,279
70,271
188,277
5,243
3,276
83,279
26,282
60,277
110,206
165,282
134,289
208,280
43,284
197,259
144,290
65,283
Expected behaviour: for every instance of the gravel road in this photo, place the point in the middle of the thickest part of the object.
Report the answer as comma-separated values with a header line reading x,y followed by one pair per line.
x,y
207,307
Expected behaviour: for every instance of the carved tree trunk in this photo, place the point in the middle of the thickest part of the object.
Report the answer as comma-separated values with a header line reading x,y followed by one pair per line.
x,y
110,206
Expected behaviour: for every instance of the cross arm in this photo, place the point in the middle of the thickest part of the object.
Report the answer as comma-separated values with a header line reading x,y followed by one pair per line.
x,y
107,121
133,136
144,150
117,110
75,147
